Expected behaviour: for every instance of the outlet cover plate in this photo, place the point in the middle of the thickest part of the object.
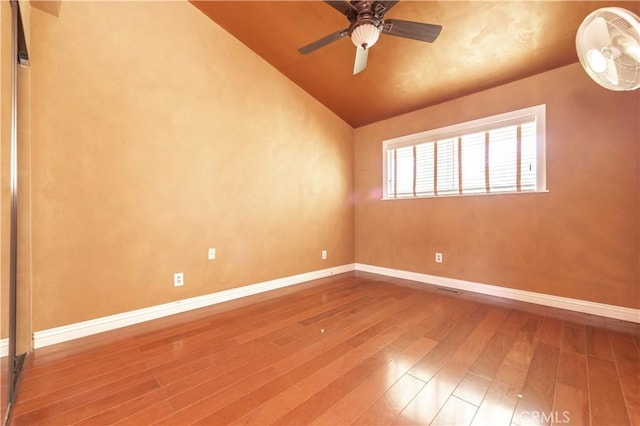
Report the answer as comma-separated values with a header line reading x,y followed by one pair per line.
x,y
178,279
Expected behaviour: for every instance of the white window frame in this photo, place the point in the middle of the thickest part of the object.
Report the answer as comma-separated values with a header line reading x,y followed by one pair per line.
x,y
480,125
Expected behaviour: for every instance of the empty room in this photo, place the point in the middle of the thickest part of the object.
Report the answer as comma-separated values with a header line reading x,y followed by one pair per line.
x,y
320,212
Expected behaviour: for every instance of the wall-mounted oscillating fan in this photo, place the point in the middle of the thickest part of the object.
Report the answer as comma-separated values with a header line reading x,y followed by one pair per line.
x,y
608,46
366,23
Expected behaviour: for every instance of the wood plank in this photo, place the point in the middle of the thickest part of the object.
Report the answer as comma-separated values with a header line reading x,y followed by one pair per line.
x,y
392,402
500,401
605,394
569,405
429,365
552,330
493,354
537,393
598,343
148,415
573,396
455,412
523,348
574,338
445,318
472,389
572,370
627,359
513,323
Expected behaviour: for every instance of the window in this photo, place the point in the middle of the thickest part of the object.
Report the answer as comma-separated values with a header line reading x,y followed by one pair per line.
x,y
500,154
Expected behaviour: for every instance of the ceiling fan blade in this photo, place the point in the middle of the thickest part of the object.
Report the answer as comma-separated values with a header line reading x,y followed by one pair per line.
x,y
413,30
344,7
383,6
361,60
323,41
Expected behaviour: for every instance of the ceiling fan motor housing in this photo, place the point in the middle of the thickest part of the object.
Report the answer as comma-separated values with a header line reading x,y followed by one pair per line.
x,y
366,24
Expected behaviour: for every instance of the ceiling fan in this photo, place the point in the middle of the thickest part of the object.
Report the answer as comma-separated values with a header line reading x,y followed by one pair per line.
x,y
366,22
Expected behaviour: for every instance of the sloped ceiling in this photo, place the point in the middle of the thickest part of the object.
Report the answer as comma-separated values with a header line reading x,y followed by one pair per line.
x,y
482,44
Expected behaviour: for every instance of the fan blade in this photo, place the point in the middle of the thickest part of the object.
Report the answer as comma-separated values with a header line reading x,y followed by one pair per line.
x,y
343,7
383,6
323,41
612,72
361,60
597,33
413,30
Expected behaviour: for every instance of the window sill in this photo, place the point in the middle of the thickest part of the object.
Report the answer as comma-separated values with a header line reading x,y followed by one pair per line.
x,y
479,194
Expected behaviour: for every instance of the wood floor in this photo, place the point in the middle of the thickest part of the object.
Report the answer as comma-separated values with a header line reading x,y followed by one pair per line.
x,y
352,349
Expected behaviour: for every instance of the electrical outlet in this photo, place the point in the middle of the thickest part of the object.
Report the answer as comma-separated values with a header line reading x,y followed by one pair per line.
x,y
324,255
211,255
178,279
438,257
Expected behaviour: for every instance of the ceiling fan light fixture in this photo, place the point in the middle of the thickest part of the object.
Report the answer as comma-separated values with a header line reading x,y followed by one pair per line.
x,y
365,35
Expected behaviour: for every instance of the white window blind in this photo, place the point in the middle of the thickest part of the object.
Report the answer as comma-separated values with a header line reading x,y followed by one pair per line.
x,y
498,154
404,172
473,163
425,169
447,176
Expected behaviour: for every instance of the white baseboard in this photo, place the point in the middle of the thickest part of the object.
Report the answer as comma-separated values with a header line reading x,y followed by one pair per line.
x,y
86,328
4,347
577,305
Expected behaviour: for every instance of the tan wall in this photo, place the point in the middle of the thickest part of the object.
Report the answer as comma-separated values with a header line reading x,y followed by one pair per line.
x,y
157,135
579,240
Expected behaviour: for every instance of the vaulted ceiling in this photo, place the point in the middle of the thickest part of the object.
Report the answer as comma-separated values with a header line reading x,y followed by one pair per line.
x,y
482,44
